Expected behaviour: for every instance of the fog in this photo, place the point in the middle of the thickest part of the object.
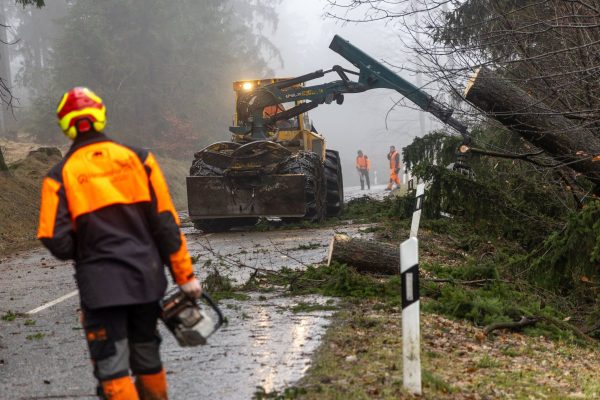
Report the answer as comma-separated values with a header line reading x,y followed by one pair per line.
x,y
166,76
303,38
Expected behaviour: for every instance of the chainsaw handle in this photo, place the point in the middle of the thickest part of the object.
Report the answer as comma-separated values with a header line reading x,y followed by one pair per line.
x,y
208,300
214,306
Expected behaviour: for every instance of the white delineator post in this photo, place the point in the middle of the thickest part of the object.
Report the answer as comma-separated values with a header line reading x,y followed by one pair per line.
x,y
416,219
411,325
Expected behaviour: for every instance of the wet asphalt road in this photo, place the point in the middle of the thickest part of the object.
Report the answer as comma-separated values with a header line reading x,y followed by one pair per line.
x,y
44,355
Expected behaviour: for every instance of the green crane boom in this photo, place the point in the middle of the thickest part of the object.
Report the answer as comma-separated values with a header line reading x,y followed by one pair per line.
x,y
372,75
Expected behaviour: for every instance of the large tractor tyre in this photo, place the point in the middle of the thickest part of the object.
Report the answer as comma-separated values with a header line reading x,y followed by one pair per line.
x,y
335,183
308,164
222,224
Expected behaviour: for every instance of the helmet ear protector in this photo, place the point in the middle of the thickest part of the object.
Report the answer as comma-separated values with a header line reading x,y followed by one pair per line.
x,y
81,110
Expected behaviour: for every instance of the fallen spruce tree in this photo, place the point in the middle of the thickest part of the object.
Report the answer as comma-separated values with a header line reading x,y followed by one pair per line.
x,y
535,121
542,250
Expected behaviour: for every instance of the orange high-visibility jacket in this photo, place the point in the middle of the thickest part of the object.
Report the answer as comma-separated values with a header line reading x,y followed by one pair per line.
x,y
107,206
362,162
394,158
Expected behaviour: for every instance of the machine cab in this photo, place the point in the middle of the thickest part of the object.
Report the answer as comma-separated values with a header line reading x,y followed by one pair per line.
x,y
296,133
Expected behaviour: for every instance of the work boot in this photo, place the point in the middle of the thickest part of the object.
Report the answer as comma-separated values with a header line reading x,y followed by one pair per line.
x,y
119,389
152,386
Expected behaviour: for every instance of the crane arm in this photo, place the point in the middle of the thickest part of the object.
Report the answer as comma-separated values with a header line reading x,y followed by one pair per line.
x,y
372,75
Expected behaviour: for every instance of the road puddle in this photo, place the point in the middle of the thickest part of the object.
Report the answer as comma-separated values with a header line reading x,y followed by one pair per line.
x,y
264,345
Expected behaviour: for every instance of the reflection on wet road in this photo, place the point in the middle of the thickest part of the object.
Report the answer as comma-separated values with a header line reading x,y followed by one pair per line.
x,y
264,345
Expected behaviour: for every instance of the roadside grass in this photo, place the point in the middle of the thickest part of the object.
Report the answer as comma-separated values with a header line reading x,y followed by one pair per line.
x,y
466,285
303,307
491,300
366,209
487,362
361,358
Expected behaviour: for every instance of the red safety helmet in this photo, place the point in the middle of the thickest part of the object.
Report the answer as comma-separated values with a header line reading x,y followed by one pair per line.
x,y
81,110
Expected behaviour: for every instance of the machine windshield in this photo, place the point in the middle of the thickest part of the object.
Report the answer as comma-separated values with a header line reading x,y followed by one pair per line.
x,y
283,124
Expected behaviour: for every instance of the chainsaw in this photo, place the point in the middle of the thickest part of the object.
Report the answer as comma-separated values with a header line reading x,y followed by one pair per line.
x,y
191,321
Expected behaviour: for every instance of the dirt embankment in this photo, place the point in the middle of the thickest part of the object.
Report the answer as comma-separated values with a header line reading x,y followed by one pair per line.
x,y
175,172
20,198
20,190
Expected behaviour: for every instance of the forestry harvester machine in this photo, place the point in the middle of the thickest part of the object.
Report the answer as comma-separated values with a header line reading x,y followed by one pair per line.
x,y
277,164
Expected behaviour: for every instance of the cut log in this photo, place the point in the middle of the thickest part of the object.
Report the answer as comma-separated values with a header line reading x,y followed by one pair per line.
x,y
365,255
536,122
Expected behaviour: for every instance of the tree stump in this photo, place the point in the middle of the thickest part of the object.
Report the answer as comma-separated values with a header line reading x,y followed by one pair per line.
x,y
365,255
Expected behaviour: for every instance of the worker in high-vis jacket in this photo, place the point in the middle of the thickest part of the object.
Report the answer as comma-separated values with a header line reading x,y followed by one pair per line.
x,y
107,207
363,165
394,158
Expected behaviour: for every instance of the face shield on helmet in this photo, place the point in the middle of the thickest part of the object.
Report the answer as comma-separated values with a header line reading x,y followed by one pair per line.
x,y
80,110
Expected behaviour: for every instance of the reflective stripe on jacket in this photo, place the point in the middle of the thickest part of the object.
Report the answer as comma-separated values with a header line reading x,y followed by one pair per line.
x,y
107,206
394,160
361,162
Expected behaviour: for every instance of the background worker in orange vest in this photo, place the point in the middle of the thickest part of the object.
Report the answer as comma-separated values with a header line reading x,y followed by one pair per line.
x,y
363,165
394,158
107,206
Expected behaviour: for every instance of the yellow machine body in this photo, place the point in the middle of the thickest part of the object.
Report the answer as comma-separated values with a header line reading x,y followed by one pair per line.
x,y
234,183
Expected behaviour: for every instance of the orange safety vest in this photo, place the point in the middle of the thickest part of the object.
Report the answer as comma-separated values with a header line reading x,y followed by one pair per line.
x,y
107,206
361,162
270,111
394,160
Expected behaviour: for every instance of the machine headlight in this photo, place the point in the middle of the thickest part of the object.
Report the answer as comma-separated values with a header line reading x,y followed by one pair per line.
x,y
247,86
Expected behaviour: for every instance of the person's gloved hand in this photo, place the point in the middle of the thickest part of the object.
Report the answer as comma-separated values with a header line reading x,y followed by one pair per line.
x,y
192,288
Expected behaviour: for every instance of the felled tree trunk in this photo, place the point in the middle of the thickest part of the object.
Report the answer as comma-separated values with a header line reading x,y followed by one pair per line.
x,y
536,122
365,255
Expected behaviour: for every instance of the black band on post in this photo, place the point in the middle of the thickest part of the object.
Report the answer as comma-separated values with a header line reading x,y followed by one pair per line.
x,y
419,202
410,286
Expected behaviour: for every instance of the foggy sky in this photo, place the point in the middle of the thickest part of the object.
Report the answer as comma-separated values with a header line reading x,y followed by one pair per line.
x,y
303,38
